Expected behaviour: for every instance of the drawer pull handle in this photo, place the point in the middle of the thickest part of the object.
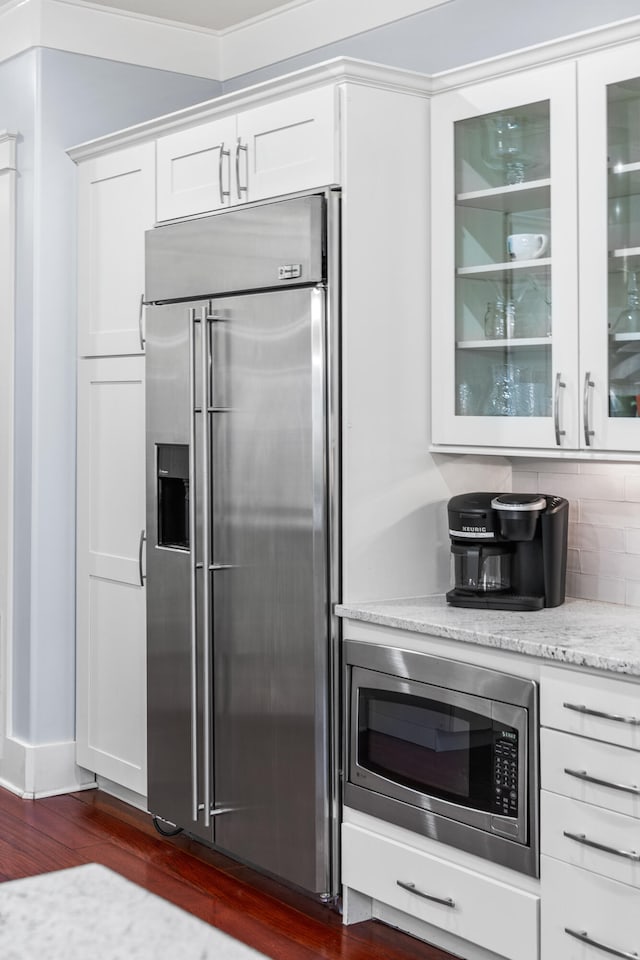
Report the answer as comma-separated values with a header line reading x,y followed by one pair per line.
x,y
581,838
583,775
580,708
585,938
411,887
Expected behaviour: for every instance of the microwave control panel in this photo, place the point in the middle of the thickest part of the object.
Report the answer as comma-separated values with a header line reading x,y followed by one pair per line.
x,y
505,775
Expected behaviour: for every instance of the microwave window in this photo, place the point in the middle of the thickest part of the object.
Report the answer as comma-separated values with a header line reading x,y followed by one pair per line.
x,y
432,747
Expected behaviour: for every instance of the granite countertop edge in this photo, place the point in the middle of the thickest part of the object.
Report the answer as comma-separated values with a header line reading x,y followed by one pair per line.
x,y
612,646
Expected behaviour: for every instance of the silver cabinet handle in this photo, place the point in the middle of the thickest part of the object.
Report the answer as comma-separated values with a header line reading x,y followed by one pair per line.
x,y
556,408
206,559
411,887
223,153
193,633
141,543
585,938
581,838
580,708
583,775
241,146
588,432
140,326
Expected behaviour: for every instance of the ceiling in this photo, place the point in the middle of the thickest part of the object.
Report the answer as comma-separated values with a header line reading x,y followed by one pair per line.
x,y
211,14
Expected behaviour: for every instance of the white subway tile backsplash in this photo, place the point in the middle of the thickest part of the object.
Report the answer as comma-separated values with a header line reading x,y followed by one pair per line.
x,y
619,566
583,488
586,536
595,588
610,513
528,464
632,488
633,594
603,561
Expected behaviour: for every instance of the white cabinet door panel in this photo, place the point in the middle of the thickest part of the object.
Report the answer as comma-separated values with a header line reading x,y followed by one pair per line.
x,y
194,169
591,907
578,833
291,145
595,707
486,912
111,628
116,197
601,774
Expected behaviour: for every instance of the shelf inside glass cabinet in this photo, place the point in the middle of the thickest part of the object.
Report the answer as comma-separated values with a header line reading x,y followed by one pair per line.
x,y
500,271
511,198
504,344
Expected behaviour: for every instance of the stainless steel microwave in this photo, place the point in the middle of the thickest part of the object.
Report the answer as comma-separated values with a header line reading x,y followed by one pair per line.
x,y
444,748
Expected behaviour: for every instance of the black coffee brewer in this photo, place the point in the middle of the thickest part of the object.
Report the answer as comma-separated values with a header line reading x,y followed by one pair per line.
x,y
509,550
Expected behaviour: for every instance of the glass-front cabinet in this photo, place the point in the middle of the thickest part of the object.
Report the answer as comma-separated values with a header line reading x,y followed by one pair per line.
x,y
609,216
504,247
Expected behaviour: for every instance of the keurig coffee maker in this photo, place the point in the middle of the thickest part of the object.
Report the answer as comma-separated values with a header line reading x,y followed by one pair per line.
x,y
509,550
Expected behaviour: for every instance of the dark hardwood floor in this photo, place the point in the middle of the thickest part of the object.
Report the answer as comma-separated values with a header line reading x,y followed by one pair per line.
x,y
37,836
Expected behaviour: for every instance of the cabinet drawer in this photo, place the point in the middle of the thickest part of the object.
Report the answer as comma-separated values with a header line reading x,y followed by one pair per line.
x,y
575,702
616,769
376,866
590,825
592,906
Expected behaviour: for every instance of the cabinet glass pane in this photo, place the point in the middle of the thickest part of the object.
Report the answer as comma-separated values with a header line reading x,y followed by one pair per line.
x,y
503,263
623,149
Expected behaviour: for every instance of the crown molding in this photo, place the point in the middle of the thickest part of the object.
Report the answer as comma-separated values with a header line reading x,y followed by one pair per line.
x,y
340,69
542,54
303,26
79,26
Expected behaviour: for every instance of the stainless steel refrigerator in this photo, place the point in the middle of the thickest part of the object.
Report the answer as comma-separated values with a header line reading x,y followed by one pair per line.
x,y
242,383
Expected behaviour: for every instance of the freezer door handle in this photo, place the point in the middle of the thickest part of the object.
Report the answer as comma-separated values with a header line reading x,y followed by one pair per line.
x,y
193,565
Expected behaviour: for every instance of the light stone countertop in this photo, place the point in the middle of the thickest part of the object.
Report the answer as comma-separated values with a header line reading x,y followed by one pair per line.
x,y
91,912
603,636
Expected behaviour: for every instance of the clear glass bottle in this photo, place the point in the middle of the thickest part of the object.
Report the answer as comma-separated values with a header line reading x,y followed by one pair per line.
x,y
628,320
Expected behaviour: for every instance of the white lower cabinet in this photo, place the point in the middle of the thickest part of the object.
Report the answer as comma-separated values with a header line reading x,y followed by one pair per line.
x,y
111,611
486,912
586,916
590,817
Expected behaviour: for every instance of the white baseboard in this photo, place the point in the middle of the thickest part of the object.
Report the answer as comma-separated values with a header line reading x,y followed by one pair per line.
x,y
42,770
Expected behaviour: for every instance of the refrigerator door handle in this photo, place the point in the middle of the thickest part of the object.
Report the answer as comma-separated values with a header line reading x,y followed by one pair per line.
x,y
205,319
193,565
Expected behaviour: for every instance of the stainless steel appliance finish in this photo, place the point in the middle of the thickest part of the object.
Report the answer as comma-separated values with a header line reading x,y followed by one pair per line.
x,y
243,542
455,796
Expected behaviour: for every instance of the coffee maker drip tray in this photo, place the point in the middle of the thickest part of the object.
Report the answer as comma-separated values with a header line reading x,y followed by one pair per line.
x,y
496,601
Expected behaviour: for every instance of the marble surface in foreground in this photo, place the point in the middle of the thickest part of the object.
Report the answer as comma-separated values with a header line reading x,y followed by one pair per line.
x,y
90,911
580,632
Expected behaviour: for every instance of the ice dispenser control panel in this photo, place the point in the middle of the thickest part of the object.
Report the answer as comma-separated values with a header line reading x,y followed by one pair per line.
x,y
173,495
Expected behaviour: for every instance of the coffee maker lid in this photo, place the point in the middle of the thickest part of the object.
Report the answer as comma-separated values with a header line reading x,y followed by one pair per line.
x,y
519,501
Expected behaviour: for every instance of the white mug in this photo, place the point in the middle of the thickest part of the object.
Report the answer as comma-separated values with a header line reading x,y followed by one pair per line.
x,y
527,246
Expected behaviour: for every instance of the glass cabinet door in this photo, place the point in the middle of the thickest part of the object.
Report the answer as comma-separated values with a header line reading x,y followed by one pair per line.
x,y
609,97
504,247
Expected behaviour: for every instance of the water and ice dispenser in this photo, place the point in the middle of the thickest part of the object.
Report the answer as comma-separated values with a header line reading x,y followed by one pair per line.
x,y
173,495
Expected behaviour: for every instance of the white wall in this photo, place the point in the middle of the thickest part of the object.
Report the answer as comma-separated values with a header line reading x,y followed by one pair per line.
x,y
454,34
54,100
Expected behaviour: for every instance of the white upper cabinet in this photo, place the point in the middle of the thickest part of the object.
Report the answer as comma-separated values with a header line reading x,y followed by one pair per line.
x,y
116,203
609,131
279,147
504,248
